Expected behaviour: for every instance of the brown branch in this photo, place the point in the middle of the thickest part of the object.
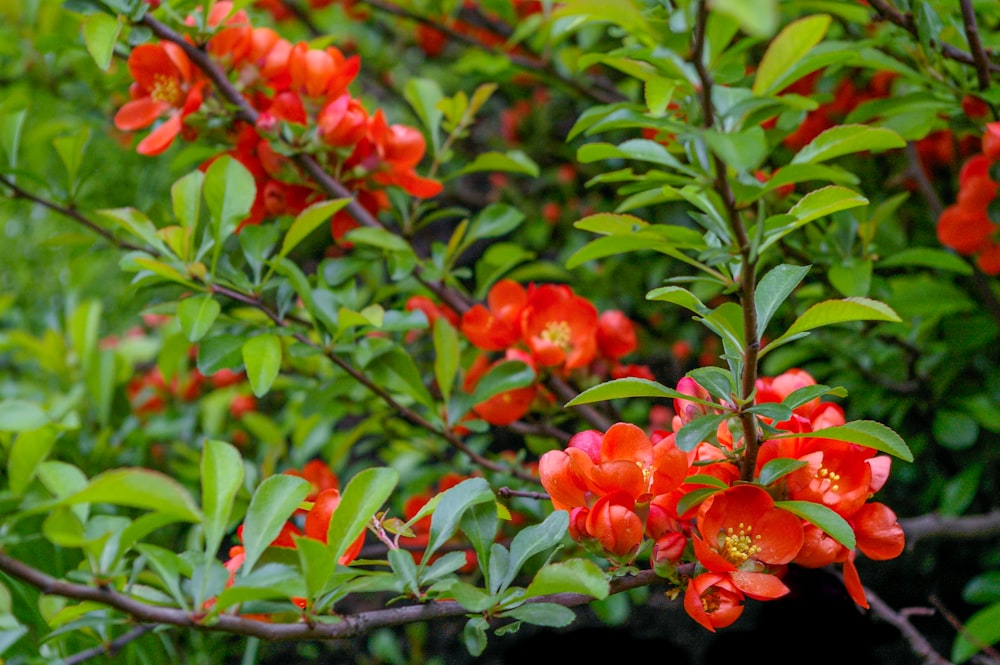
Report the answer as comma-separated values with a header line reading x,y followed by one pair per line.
x,y
748,269
963,527
900,620
349,626
889,13
975,44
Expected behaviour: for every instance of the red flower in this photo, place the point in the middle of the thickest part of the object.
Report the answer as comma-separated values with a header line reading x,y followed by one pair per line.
x,y
559,327
713,600
615,334
964,230
745,535
496,327
613,523
165,86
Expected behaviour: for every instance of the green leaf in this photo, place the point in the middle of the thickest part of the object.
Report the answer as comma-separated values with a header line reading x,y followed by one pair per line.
x,y
262,358
397,366
136,223
830,522
743,150
472,598
980,631
495,220
778,468
954,430
317,564
852,277
364,495
847,139
532,540
926,257
229,190
169,567
445,356
308,221
380,238
830,312
960,491
787,49
512,161
679,296
28,451
450,508
758,18
185,195
700,429
20,415
868,433
717,381
221,479
983,589
100,34
642,150
772,290
196,315
272,503
572,576
424,94
609,223
71,149
139,488
220,352
552,615
630,387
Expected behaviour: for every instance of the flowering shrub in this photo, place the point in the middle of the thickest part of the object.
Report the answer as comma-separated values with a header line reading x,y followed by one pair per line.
x,y
479,313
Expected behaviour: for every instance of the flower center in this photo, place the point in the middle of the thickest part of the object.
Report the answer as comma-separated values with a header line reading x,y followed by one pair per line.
x,y
711,601
557,333
738,544
827,480
166,89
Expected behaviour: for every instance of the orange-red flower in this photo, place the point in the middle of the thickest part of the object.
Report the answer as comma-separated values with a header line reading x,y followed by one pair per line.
x,y
743,534
165,86
559,326
615,334
713,600
508,406
496,327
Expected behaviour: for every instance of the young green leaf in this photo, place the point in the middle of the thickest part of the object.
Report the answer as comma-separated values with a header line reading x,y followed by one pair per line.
x,y
28,451
572,576
786,49
532,540
772,290
450,508
445,356
308,221
830,312
981,630
631,387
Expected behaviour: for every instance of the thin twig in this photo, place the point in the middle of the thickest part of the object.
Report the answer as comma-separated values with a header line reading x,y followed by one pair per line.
x,y
111,648
976,44
20,193
906,21
918,643
535,65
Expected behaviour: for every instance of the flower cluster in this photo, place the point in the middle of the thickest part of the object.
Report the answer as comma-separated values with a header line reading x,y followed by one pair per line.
x,y
967,226
298,93
626,490
548,327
